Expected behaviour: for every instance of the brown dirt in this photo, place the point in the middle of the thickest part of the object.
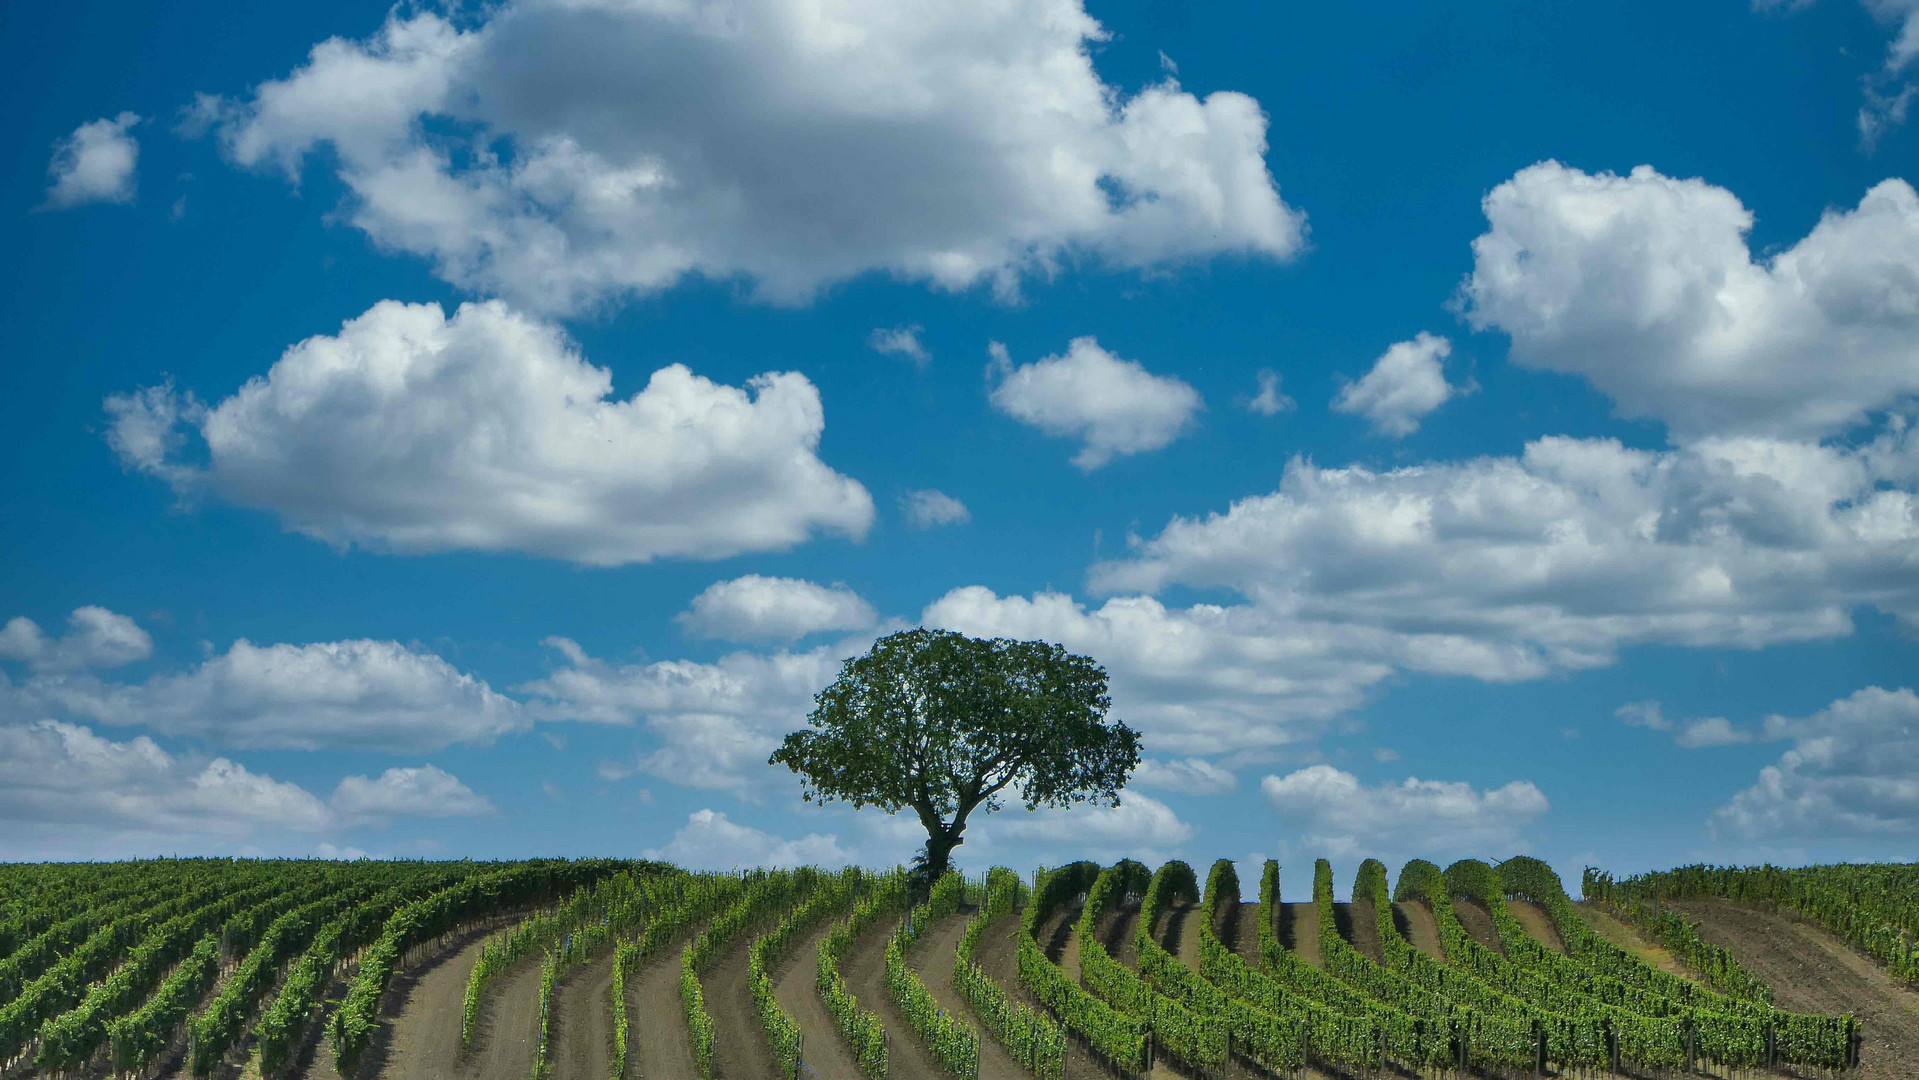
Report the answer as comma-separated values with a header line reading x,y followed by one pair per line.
x,y
1364,923
998,956
1537,923
423,1040
1299,931
581,1043
658,1046
932,957
1244,937
1415,921
1627,938
740,1049
1116,933
865,971
795,987
1479,924
1809,970
1179,933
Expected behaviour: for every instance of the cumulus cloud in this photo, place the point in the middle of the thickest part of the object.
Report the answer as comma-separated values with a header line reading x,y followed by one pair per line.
x,y
713,724
756,608
928,508
95,637
1711,731
423,791
1269,401
564,154
1433,819
710,841
68,792
1852,772
1513,568
359,694
1115,407
1645,714
487,431
1140,827
94,164
1192,776
900,341
1644,285
1206,679
1406,383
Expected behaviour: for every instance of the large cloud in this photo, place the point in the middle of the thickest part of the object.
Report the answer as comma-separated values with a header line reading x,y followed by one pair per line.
x,y
1336,814
413,432
95,637
563,152
1512,568
1852,773
375,695
1644,285
94,164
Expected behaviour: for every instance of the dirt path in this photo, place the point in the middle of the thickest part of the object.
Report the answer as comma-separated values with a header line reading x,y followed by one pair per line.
x,y
581,1043
657,1044
1415,921
740,1049
1299,931
1479,924
998,956
1244,937
1180,933
1364,921
865,970
1809,970
932,959
423,1040
1624,936
1538,924
795,987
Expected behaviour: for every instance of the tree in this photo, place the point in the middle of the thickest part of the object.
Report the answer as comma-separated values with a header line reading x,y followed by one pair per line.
x,y
941,723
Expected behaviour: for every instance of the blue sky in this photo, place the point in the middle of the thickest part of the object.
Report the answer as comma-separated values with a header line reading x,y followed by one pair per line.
x,y
1457,432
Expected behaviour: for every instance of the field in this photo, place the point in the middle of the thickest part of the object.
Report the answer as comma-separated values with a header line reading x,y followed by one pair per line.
x,y
610,969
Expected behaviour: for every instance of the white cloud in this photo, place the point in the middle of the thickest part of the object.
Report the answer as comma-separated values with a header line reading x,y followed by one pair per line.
x,y
1852,772
1711,731
1385,754
1646,714
1140,827
1645,286
423,791
928,508
1269,401
96,638
1192,776
94,164
756,608
374,695
1115,407
1514,568
714,724
565,153
1406,383
900,341
1434,819
412,432
709,841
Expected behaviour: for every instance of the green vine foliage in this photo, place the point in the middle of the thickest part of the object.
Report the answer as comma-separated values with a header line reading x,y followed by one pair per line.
x,y
1029,1035
1119,1038
952,1042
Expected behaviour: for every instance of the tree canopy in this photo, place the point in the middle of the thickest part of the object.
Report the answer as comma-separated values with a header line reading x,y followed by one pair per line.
x,y
942,724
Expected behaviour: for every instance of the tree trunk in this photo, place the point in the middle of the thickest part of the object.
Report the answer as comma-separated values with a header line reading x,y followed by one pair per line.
x,y
939,850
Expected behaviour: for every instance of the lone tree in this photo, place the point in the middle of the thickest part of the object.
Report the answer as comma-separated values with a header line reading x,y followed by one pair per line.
x,y
942,723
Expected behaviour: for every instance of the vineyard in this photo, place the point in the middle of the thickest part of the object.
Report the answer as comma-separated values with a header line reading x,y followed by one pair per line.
x,y
607,969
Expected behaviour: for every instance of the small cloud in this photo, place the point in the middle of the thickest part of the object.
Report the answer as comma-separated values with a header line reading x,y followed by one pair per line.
x,y
1385,754
612,771
928,508
900,341
754,607
1193,776
94,164
1166,64
1645,714
553,791
426,791
1269,401
344,854
1711,731
1114,406
1406,383
1569,734
555,739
